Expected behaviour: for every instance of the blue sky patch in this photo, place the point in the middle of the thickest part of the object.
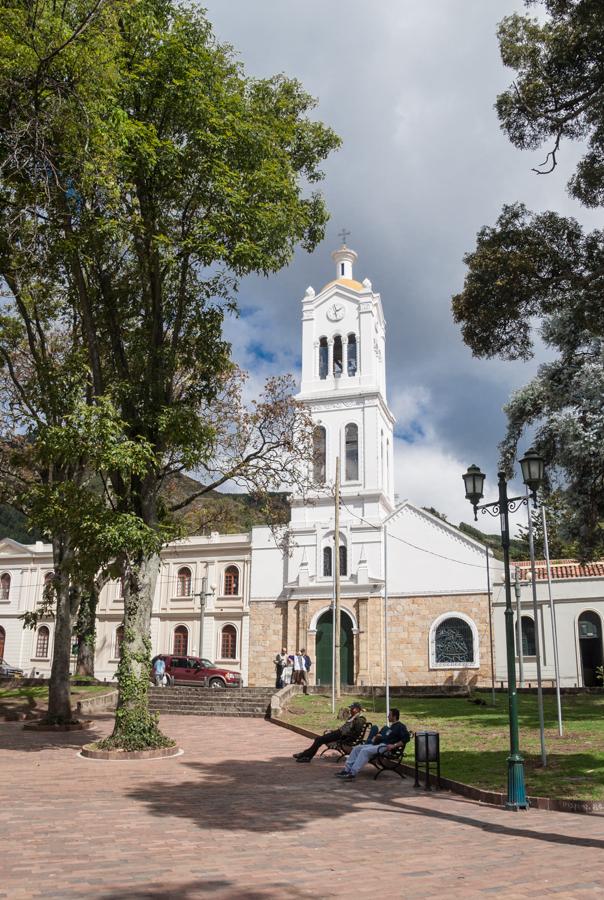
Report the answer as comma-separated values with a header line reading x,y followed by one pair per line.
x,y
258,351
412,433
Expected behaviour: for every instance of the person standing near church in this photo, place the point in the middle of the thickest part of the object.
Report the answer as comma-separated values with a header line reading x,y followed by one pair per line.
x,y
305,664
298,666
280,664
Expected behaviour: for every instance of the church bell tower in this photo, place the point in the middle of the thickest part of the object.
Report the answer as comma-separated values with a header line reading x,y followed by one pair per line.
x,y
344,387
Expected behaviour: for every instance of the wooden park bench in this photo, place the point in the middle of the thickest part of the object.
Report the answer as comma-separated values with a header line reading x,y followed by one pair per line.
x,y
390,760
345,744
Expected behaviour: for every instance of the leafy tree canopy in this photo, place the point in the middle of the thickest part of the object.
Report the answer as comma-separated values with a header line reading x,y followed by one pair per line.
x,y
542,270
141,174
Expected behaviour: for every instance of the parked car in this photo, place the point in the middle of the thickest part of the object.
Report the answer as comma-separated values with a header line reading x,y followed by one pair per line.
x,y
9,671
195,670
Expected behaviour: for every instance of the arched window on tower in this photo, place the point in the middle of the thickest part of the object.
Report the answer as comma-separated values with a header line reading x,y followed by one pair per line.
x,y
352,452
337,356
352,354
323,357
327,555
343,560
319,453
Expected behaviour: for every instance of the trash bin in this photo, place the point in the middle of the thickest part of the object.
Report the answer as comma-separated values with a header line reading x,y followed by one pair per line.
x,y
427,752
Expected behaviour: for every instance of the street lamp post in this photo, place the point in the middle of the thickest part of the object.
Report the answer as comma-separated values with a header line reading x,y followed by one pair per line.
x,y
532,473
203,595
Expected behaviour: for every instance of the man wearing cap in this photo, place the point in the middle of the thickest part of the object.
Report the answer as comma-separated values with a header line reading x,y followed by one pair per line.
x,y
350,730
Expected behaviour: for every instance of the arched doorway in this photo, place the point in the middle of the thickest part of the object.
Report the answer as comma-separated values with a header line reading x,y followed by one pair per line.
x,y
324,648
590,644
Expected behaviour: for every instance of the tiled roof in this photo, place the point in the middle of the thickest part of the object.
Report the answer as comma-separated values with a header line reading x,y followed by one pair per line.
x,y
561,568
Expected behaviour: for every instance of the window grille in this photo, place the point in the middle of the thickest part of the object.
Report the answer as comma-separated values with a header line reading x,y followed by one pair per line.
x,y
183,582
231,581
42,642
454,642
228,648
181,641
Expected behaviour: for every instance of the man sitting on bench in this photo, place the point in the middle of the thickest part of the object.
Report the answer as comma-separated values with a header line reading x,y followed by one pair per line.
x,y
391,737
351,730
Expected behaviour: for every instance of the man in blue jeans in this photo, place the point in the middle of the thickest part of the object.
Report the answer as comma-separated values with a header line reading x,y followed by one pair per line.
x,y
391,737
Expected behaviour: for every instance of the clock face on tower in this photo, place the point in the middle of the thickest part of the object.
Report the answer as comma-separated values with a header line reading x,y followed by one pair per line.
x,y
335,312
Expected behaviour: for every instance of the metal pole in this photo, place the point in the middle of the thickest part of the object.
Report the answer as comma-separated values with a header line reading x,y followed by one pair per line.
x,y
202,604
336,624
333,642
491,630
519,652
552,612
516,790
387,679
537,641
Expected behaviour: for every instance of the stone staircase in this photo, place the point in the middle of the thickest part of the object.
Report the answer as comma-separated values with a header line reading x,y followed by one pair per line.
x,y
204,701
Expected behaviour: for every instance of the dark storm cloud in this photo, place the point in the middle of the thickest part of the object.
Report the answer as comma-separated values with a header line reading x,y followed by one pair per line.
x,y
410,88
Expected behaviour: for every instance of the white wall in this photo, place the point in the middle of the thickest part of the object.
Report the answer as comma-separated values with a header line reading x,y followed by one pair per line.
x,y
571,597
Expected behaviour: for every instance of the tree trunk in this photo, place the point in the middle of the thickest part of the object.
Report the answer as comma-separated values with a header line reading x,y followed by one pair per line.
x,y
86,631
59,699
135,727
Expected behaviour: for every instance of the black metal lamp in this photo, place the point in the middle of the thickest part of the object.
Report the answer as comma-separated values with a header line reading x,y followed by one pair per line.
x,y
474,482
533,470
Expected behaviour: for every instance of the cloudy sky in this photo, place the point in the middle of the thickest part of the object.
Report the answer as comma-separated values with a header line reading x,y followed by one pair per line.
x,y
409,85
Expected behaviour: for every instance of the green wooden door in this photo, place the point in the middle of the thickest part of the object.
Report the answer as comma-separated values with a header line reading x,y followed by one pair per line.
x,y
324,649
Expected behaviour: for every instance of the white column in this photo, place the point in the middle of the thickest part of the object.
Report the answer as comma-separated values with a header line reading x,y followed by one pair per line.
x,y
344,355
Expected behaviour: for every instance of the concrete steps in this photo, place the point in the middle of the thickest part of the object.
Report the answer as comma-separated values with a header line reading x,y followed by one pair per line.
x,y
197,701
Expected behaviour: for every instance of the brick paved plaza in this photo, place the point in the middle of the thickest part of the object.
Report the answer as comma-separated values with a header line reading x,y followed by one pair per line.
x,y
226,820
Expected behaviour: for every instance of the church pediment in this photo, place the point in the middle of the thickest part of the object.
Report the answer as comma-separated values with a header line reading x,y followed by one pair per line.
x,y
9,547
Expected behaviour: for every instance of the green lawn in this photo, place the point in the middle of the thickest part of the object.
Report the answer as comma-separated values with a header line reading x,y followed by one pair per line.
x,y
39,694
474,739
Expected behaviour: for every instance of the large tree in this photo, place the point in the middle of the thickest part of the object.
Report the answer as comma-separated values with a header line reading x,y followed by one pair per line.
x,y
542,270
149,173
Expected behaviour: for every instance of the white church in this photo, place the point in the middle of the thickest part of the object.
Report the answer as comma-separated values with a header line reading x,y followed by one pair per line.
x,y
404,572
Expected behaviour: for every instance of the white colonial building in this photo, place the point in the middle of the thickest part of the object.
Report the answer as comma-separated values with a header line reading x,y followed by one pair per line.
x,y
577,594
257,600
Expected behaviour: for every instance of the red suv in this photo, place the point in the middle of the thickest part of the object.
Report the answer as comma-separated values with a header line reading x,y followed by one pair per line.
x,y
197,671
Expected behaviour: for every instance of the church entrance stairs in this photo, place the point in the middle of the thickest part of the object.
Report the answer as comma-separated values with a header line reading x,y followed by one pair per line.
x,y
192,701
